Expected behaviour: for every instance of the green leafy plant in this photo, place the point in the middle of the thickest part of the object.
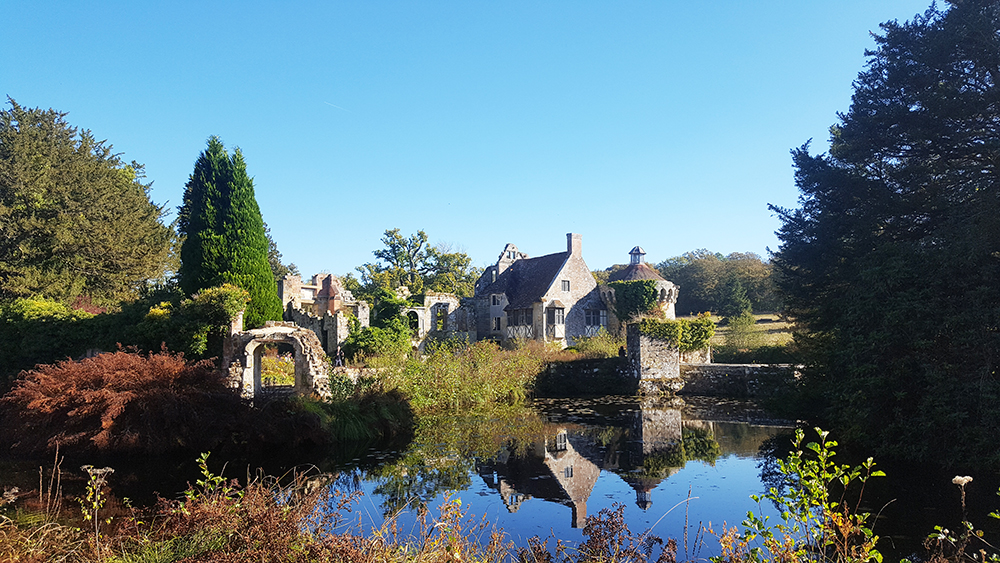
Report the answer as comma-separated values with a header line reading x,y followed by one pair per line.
x,y
210,484
601,345
696,333
816,523
460,376
93,500
634,298
686,335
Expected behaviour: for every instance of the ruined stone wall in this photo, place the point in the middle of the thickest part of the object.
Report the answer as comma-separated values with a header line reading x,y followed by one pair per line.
x,y
703,356
581,378
290,290
652,358
243,350
331,329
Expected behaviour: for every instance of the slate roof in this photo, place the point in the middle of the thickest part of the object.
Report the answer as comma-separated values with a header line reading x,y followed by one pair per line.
x,y
633,272
527,279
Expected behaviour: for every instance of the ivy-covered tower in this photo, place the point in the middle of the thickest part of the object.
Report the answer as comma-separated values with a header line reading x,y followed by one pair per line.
x,y
642,286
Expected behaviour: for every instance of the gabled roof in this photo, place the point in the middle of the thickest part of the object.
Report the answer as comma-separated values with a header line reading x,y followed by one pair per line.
x,y
527,279
633,272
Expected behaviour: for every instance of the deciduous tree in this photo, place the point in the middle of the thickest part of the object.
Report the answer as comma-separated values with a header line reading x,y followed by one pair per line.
x,y
411,262
705,279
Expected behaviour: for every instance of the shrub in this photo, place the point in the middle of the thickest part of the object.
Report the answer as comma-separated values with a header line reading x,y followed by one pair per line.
x,y
697,333
743,333
277,370
816,523
120,402
687,335
40,331
601,345
388,335
458,376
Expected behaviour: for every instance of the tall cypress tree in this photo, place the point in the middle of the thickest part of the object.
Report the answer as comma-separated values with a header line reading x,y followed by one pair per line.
x,y
225,241
198,220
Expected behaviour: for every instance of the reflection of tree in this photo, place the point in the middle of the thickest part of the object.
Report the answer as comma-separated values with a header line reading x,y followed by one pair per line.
x,y
772,450
700,445
697,444
445,445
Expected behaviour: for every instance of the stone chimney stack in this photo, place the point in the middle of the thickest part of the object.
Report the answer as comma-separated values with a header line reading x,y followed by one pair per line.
x,y
574,244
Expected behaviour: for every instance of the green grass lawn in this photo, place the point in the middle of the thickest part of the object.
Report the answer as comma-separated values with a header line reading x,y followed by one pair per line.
x,y
776,331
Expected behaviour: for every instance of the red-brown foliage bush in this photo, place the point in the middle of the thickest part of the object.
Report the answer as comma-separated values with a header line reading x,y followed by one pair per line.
x,y
120,402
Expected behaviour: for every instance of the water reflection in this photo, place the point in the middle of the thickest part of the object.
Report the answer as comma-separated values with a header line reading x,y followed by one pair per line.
x,y
558,451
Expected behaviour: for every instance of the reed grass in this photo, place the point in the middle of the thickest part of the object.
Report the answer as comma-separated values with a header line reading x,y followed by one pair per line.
x,y
454,377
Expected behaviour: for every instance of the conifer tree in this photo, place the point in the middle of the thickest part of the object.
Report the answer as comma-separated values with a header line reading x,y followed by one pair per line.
x,y
890,263
76,222
225,241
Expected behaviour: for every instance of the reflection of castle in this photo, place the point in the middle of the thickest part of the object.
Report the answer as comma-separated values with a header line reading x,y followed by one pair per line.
x,y
559,468
644,446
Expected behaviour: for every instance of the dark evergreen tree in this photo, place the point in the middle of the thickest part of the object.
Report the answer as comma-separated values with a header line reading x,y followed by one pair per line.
x,y
225,240
891,262
76,223
734,301
199,220
278,268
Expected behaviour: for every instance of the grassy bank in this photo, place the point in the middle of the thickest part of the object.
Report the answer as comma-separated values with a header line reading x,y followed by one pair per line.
x,y
767,341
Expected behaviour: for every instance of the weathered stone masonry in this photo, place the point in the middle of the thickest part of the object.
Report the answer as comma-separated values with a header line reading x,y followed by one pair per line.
x,y
243,350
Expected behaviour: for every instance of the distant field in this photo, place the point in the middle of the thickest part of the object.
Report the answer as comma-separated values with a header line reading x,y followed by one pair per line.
x,y
776,331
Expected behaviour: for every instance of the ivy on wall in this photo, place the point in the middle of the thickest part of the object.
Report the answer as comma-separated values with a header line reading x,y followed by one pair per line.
x,y
634,298
686,335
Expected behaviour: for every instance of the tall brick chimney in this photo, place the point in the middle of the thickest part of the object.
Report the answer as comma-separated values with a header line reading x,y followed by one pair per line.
x,y
574,244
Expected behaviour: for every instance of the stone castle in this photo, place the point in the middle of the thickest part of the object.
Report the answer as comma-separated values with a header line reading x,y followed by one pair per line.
x,y
550,298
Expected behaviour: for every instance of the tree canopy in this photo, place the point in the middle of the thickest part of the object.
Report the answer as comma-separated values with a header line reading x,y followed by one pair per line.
x,y
278,268
890,263
224,236
411,262
76,222
707,280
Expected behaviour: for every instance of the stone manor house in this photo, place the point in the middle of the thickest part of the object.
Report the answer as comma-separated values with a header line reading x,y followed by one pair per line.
x,y
551,298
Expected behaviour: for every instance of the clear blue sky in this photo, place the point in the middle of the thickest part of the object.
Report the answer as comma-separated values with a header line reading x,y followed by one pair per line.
x,y
662,124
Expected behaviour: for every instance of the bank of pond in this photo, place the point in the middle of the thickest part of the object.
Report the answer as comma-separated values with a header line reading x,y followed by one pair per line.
x,y
576,479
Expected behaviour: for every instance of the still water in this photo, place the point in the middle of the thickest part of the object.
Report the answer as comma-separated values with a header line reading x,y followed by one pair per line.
x,y
675,466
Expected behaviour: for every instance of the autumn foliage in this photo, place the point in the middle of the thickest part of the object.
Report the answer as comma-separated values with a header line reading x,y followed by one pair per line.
x,y
120,402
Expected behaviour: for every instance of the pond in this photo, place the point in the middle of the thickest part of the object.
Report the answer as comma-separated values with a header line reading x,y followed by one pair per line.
x,y
673,466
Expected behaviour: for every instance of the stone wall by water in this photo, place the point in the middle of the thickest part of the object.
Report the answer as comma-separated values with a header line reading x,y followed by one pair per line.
x,y
737,380
616,376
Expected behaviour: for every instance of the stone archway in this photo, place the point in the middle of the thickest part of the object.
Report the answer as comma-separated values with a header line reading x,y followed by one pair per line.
x,y
244,350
